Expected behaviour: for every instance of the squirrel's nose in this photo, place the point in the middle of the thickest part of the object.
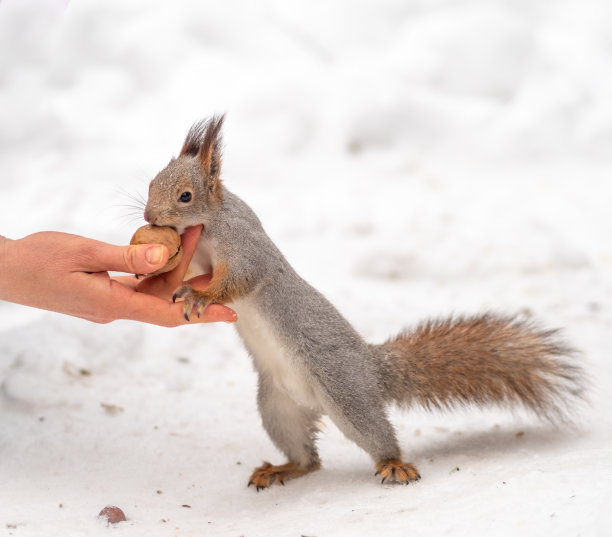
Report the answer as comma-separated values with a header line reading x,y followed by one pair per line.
x,y
148,216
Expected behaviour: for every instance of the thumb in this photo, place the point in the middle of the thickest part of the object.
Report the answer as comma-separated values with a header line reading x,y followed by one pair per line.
x,y
133,259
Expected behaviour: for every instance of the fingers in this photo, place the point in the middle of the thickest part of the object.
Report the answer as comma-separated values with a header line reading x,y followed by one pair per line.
x,y
173,315
201,282
217,313
132,259
128,281
96,256
153,310
189,243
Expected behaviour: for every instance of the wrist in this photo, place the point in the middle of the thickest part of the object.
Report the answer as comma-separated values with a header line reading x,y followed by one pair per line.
x,y
5,269
4,252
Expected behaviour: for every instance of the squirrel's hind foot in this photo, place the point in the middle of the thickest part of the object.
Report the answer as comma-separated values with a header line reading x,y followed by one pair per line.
x,y
396,471
268,474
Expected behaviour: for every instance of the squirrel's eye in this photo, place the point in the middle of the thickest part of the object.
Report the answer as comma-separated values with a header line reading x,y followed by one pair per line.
x,y
185,197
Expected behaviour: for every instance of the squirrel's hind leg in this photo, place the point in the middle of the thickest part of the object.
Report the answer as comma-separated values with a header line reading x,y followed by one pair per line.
x,y
292,428
268,474
363,419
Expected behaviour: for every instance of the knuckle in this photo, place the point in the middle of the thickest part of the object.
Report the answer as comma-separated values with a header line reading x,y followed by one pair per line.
x,y
130,257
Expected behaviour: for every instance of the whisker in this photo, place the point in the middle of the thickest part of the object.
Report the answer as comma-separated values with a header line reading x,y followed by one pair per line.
x,y
130,213
129,206
137,199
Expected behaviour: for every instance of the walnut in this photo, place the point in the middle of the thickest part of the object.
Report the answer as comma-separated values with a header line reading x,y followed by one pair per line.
x,y
161,235
112,514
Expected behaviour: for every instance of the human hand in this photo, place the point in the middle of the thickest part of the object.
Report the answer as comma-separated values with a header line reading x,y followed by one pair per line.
x,y
69,274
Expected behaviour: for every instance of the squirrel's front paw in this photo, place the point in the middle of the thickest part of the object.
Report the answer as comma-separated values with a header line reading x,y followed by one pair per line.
x,y
395,470
192,299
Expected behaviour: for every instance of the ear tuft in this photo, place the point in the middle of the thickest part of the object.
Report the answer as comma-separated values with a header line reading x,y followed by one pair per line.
x,y
204,133
210,150
193,141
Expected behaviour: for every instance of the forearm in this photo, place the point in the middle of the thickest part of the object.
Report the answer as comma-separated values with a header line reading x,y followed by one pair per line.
x,y
30,271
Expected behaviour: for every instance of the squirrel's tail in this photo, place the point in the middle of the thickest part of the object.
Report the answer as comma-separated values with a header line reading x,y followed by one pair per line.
x,y
482,360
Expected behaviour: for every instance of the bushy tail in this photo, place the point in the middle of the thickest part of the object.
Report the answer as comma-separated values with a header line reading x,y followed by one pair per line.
x,y
482,360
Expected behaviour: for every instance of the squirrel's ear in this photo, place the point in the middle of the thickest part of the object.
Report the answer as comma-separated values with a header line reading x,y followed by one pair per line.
x,y
192,143
209,153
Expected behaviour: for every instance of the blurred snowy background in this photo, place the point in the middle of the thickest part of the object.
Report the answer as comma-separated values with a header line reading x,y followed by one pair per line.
x,y
410,157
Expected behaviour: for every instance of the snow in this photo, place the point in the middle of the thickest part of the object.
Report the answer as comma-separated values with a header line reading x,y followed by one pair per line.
x,y
411,158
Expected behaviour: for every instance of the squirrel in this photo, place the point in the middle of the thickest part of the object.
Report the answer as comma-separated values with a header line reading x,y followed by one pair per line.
x,y
310,360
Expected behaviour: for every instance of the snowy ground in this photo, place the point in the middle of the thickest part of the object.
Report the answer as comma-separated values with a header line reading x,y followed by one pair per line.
x,y
410,157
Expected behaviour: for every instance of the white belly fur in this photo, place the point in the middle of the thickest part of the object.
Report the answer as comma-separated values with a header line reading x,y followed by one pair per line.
x,y
271,356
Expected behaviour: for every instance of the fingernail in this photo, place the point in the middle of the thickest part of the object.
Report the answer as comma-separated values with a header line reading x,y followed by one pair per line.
x,y
154,255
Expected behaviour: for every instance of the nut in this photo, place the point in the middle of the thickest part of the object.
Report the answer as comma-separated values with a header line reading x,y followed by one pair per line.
x,y
113,514
161,235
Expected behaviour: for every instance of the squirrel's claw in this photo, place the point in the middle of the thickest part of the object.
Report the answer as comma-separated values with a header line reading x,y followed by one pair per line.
x,y
182,291
201,306
192,299
396,471
258,487
269,474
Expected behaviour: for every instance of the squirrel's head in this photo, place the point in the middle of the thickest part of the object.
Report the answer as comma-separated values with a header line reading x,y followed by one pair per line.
x,y
186,190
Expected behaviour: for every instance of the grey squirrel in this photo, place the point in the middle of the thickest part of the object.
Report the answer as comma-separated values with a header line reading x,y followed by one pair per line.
x,y
311,361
